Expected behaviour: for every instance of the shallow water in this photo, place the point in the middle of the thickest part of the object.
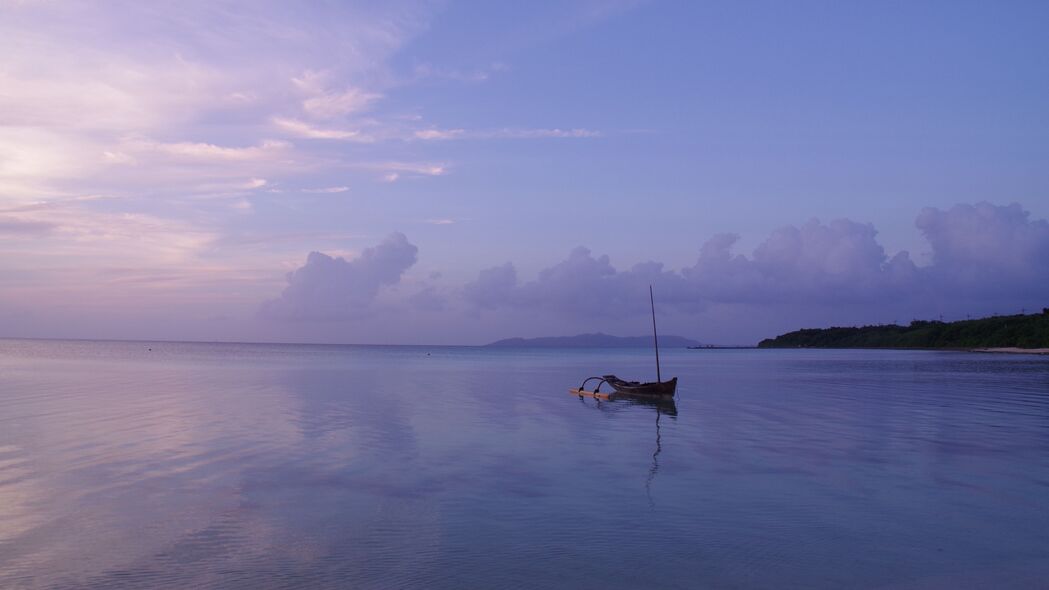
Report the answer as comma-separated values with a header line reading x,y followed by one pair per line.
x,y
281,466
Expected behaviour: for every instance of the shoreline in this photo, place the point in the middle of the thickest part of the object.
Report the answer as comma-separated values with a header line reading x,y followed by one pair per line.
x,y
992,350
1013,350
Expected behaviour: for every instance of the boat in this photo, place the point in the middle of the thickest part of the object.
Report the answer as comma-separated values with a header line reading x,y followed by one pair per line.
x,y
660,388
657,388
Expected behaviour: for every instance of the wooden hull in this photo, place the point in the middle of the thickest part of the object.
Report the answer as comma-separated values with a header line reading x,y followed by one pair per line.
x,y
654,389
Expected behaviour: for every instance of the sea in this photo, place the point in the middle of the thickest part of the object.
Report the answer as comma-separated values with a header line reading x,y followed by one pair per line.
x,y
197,465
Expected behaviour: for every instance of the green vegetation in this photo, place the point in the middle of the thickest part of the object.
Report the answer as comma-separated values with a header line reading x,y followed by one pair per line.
x,y
1021,331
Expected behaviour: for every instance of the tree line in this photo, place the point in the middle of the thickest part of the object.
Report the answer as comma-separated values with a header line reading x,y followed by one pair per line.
x,y
1020,331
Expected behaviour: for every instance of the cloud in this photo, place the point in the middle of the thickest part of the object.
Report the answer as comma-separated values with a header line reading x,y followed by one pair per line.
x,y
581,285
393,171
79,236
448,134
144,86
982,253
544,133
207,151
309,131
987,249
439,133
428,299
327,190
18,227
327,288
325,103
839,261
426,71
495,287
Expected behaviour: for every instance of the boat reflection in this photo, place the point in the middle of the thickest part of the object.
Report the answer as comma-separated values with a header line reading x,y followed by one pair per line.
x,y
662,406
617,403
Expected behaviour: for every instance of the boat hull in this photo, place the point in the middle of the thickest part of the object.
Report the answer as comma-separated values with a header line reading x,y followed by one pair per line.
x,y
654,389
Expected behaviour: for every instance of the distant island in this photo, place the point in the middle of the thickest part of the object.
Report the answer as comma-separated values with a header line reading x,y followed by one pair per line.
x,y
1030,331
598,340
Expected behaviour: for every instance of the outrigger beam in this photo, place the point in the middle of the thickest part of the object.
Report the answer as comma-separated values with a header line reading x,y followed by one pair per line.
x,y
593,394
596,393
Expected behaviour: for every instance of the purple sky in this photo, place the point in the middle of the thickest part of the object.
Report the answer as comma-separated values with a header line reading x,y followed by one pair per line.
x,y
459,172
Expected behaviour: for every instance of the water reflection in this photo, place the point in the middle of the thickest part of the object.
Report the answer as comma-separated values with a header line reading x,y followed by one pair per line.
x,y
272,466
663,407
655,461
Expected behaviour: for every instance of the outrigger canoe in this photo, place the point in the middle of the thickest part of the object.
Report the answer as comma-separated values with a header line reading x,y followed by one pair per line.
x,y
657,388
661,389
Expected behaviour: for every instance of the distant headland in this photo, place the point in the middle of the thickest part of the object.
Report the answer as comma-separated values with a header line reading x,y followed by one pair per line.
x,y
597,340
1012,333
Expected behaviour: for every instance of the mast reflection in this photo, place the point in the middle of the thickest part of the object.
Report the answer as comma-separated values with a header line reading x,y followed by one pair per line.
x,y
662,407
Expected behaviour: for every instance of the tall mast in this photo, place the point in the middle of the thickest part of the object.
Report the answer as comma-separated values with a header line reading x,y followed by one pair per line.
x,y
655,338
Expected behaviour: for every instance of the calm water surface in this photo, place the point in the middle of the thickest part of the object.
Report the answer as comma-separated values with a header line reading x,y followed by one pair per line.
x,y
279,466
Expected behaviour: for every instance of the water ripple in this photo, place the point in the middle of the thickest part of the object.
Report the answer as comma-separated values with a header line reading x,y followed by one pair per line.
x,y
170,465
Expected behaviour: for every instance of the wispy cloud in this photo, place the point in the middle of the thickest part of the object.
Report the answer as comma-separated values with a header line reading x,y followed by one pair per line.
x,y
440,133
78,234
544,133
327,190
509,133
144,87
393,171
426,71
265,150
309,131
323,102
14,226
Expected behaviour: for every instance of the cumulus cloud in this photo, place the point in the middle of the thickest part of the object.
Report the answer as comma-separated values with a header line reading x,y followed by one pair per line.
x,y
839,261
494,287
979,251
987,249
579,285
328,288
428,299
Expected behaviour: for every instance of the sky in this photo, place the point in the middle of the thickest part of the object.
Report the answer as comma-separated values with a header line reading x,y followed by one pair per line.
x,y
460,172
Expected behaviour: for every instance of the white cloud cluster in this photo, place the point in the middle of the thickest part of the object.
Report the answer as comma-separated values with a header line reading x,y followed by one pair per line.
x,y
987,249
105,98
979,252
327,288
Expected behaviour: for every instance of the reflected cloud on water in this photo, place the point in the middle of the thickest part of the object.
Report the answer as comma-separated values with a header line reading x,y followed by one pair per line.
x,y
258,466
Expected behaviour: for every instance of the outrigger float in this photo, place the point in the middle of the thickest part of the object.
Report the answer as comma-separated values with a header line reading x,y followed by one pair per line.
x,y
657,389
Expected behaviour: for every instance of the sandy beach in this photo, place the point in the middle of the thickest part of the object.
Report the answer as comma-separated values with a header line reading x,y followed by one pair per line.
x,y
1014,350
